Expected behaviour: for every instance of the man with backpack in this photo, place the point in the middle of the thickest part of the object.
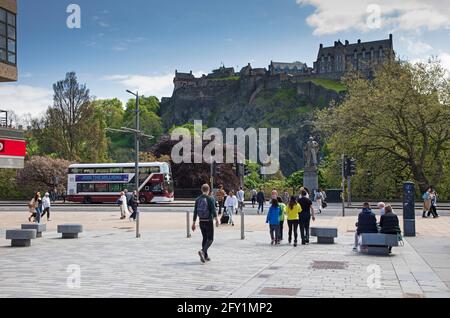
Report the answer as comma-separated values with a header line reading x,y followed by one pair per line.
x,y
205,211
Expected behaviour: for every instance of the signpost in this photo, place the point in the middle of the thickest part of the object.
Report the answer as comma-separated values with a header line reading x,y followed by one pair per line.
x,y
13,148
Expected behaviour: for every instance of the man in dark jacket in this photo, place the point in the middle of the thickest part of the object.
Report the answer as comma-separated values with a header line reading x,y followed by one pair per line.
x,y
205,211
367,223
261,198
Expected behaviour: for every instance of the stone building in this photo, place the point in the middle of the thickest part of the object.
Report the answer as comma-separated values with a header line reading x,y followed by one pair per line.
x,y
184,80
222,72
333,62
294,68
8,41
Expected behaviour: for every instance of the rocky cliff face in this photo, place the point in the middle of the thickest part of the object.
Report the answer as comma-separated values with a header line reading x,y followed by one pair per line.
x,y
257,102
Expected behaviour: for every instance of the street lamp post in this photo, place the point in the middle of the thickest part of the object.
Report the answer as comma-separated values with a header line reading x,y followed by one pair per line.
x,y
136,147
137,134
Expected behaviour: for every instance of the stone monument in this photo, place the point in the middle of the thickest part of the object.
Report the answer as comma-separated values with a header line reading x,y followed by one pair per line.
x,y
311,155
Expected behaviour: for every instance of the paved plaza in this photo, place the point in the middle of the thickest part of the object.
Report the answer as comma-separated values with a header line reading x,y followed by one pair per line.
x,y
164,263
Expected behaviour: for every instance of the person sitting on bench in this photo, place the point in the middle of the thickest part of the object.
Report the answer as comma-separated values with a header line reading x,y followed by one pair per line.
x,y
389,223
367,223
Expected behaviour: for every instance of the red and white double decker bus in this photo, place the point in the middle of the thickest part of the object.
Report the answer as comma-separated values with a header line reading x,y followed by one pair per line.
x,y
102,183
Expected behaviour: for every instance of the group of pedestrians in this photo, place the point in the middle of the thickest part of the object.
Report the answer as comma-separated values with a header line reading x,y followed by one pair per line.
x,y
367,222
128,204
231,203
299,212
39,207
430,203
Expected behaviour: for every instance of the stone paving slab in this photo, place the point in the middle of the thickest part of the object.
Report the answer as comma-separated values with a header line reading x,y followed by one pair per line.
x,y
165,264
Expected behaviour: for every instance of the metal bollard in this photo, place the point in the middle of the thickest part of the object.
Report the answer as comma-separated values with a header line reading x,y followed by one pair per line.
x,y
242,225
188,224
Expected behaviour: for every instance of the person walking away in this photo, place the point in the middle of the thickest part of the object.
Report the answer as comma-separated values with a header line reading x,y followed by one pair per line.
x,y
221,198
367,223
293,210
254,194
273,219
205,212
231,205
305,217
282,216
426,202
389,223
433,207
46,205
134,203
241,200
32,208
318,197
261,198
324,199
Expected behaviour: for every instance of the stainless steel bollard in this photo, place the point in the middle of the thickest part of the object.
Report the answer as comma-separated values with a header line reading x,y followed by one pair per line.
x,y
242,225
188,224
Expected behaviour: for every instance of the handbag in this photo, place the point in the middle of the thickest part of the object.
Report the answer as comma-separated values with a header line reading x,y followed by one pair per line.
x,y
324,205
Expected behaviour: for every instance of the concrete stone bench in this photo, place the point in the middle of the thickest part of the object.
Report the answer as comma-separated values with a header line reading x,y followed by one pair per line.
x,y
377,243
325,235
21,238
35,226
70,231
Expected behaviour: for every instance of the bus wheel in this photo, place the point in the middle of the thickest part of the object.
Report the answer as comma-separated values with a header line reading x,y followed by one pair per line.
x,y
142,200
87,200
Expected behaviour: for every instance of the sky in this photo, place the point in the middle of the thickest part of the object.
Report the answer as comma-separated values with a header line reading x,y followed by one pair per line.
x,y
138,44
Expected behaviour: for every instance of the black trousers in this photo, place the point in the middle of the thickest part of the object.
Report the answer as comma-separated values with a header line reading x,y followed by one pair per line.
x,y
433,211
304,229
281,230
221,206
46,211
207,228
293,227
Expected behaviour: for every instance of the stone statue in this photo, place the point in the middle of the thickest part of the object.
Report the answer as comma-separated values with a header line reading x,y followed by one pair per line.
x,y
311,153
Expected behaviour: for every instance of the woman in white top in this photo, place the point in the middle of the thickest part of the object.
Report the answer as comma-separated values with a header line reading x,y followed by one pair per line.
x,y
231,205
46,205
123,206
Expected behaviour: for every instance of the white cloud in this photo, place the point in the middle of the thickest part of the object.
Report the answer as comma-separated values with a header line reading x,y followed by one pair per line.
x,y
24,99
158,85
333,16
416,47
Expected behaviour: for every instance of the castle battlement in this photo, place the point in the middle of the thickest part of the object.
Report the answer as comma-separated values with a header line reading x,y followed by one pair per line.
x,y
332,63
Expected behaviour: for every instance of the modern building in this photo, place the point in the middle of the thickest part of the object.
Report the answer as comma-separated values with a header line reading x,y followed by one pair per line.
x,y
8,41
333,62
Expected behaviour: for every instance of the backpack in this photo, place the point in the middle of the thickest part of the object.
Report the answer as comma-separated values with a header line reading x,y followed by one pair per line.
x,y
203,209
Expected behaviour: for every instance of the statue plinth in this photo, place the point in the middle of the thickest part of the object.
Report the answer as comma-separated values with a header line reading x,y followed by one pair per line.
x,y
311,179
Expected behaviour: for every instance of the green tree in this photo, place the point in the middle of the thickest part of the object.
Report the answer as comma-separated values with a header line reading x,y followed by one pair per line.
x,y
396,125
71,129
150,121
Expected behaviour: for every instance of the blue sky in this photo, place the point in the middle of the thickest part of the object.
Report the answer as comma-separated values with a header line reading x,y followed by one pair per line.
x,y
138,44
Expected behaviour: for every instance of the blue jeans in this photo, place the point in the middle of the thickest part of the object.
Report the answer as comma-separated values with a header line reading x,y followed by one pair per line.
x,y
38,215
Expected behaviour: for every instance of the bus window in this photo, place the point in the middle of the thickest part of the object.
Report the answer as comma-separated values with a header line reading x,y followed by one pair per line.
x,y
89,171
116,187
116,170
101,187
85,187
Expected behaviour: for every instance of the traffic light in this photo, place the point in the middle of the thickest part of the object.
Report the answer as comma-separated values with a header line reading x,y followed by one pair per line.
x,y
351,165
345,166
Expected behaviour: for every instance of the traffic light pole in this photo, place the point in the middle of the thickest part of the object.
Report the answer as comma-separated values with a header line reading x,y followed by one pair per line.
x,y
212,175
349,190
343,185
